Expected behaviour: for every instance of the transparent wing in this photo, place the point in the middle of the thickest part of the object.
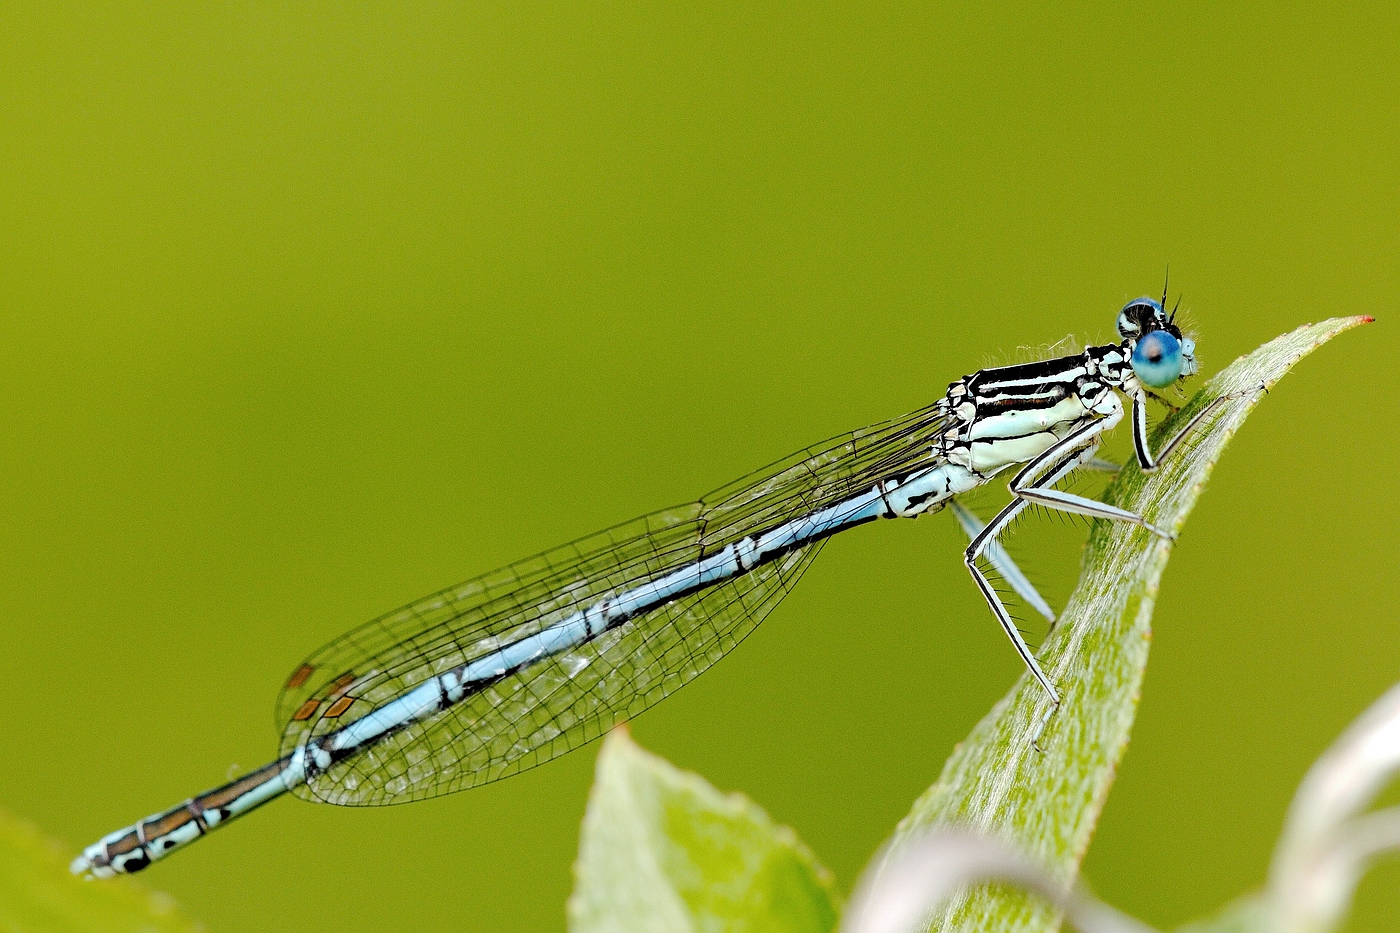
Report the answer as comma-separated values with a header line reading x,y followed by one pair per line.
x,y
562,702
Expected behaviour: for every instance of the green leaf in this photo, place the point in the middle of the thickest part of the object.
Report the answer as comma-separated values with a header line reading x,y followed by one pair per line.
x,y
1041,780
664,852
38,895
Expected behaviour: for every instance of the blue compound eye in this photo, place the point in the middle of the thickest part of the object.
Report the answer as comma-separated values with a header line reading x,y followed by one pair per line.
x,y
1157,359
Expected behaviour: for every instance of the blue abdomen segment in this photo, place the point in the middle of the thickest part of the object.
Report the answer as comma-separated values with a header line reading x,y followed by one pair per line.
x,y
923,491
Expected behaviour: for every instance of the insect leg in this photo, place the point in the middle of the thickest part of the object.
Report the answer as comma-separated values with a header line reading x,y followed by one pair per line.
x,y
1144,452
1001,562
1035,478
985,538
1100,465
1031,485
1161,401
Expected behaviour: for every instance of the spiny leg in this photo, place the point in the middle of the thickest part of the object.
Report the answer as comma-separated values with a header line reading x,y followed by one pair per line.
x,y
1161,401
1145,458
1033,484
1035,478
1002,563
1029,485
980,542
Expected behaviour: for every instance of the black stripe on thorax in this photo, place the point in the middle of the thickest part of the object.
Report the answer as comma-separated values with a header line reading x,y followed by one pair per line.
x,y
1000,405
1027,378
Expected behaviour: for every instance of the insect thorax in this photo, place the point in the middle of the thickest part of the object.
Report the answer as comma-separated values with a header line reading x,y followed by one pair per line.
x,y
1012,414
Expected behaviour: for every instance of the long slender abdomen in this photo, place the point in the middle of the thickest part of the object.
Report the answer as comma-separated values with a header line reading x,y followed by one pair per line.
x,y
135,847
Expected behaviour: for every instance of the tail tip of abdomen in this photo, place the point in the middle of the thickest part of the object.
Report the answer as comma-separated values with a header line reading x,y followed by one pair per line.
x,y
96,862
90,865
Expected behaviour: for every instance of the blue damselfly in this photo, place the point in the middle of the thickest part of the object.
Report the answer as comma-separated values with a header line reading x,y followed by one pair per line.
x,y
515,667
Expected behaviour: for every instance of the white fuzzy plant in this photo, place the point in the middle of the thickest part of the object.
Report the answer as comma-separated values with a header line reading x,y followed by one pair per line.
x,y
1329,841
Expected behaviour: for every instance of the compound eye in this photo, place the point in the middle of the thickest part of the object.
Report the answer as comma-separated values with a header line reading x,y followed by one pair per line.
x,y
1139,315
1157,359
1127,327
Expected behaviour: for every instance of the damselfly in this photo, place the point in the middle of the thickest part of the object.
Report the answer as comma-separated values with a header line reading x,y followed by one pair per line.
x,y
513,668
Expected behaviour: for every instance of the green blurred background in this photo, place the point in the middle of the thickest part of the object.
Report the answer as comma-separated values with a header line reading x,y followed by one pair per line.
x,y
307,312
